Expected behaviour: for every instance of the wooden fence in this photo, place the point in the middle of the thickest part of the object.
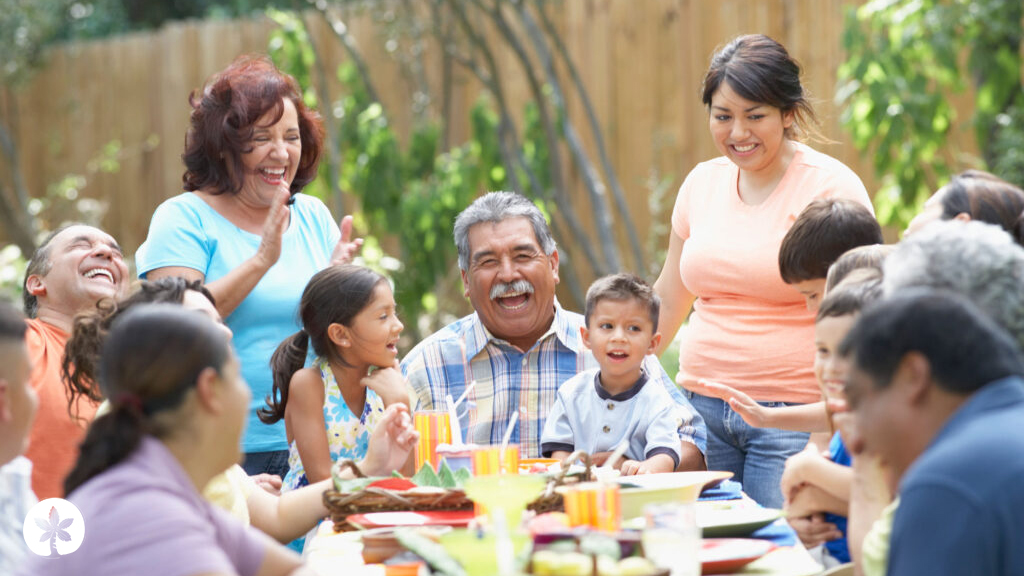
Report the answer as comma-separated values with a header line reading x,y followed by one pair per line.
x,y
641,60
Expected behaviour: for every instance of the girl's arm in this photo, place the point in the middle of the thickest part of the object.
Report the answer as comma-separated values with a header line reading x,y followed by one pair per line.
x,y
675,299
304,415
809,467
802,418
389,384
290,515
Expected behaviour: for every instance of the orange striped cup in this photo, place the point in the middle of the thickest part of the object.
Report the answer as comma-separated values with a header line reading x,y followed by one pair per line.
x,y
489,460
434,427
594,504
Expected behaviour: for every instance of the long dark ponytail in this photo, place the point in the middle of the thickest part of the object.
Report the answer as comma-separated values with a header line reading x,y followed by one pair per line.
x,y
334,295
150,360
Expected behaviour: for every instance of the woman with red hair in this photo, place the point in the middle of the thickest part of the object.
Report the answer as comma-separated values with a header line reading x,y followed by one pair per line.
x,y
243,227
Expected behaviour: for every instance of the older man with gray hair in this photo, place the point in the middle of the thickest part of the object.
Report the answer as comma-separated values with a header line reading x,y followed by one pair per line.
x,y
977,260
519,345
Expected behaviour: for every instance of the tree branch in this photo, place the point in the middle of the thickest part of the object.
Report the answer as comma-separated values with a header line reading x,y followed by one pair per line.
x,y
595,128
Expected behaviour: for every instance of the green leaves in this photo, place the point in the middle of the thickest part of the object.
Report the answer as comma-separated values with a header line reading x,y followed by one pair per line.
x,y
906,57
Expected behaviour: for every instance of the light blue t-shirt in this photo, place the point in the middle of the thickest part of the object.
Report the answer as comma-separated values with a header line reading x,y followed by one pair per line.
x,y
186,231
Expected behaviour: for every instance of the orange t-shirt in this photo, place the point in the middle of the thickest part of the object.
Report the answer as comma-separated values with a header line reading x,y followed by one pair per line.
x,y
55,435
749,329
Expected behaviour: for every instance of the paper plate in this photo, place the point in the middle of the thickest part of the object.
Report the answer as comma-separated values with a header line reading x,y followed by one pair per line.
x,y
460,518
735,522
721,555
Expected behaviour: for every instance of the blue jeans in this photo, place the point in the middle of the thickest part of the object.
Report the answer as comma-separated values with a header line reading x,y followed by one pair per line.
x,y
755,456
272,462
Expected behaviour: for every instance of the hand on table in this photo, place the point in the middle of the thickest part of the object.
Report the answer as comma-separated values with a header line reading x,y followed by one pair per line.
x,y
392,440
346,248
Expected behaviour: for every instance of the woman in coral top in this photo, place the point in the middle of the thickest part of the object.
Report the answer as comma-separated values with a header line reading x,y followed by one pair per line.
x,y
749,329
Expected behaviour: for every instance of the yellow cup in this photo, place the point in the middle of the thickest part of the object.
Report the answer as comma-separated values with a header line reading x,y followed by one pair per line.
x,y
489,460
594,504
434,427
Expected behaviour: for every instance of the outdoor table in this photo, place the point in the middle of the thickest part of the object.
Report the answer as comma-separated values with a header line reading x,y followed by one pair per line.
x,y
340,554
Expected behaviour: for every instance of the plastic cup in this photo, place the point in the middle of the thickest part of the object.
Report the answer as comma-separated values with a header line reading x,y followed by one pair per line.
x,y
489,460
671,538
434,427
594,504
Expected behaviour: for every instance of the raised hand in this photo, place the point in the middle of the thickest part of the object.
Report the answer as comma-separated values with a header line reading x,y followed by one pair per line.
x,y
346,248
752,413
391,442
274,226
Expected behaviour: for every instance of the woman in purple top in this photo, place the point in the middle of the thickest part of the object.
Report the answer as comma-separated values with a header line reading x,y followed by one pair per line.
x,y
178,407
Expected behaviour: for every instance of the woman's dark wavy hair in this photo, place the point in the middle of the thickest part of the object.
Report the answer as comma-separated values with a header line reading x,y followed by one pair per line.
x,y
80,366
334,295
224,117
986,197
761,70
151,359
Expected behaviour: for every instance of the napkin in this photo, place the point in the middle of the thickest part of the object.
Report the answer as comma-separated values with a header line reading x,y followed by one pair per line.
x,y
727,490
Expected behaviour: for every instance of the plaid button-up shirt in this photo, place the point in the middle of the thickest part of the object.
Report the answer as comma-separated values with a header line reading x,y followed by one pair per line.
x,y
510,380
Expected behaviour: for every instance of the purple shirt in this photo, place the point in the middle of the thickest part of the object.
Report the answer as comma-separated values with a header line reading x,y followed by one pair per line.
x,y
144,516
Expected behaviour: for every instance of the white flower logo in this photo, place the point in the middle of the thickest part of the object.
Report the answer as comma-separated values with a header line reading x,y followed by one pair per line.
x,y
53,528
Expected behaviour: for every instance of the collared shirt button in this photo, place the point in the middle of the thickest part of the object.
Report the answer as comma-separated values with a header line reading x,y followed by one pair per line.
x,y
607,428
611,405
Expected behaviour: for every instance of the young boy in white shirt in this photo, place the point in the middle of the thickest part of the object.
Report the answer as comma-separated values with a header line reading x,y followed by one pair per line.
x,y
598,409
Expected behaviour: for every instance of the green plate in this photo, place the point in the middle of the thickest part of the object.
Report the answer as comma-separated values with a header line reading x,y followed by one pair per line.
x,y
736,522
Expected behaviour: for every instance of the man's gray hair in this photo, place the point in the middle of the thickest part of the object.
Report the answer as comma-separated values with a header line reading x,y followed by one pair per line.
x,y
974,259
497,207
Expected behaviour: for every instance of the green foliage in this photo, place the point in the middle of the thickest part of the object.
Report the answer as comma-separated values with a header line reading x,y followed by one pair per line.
x,y
408,190
905,58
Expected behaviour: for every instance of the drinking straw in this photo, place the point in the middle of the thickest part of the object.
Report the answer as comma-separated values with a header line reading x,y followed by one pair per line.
x,y
455,425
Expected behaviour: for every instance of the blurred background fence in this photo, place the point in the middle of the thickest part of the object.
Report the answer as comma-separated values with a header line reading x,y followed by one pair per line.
x,y
641,61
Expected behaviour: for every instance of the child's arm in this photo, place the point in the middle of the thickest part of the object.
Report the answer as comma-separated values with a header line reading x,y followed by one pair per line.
x,y
304,415
290,515
802,418
811,499
809,467
660,462
869,496
389,384
560,455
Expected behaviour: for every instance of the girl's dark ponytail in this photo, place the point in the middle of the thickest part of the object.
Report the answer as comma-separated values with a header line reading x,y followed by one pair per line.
x,y
110,439
288,359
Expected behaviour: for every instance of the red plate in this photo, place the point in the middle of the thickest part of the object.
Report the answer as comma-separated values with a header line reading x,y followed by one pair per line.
x,y
720,555
459,518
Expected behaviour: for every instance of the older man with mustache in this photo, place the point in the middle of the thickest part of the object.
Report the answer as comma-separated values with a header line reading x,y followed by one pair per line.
x,y
519,345
71,271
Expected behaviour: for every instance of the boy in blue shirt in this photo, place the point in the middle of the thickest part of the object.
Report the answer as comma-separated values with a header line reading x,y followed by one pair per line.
x,y
598,409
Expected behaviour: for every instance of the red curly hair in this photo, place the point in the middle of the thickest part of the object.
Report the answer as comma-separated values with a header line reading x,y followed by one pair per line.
x,y
224,117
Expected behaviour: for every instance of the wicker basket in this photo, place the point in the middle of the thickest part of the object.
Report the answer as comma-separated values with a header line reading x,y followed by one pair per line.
x,y
551,500
341,505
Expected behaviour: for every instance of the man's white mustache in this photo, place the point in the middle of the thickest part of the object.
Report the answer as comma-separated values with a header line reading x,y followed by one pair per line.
x,y
502,288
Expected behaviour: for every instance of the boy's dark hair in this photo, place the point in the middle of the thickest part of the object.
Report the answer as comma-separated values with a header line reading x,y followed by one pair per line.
x,y
12,323
861,288
619,287
822,232
964,347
